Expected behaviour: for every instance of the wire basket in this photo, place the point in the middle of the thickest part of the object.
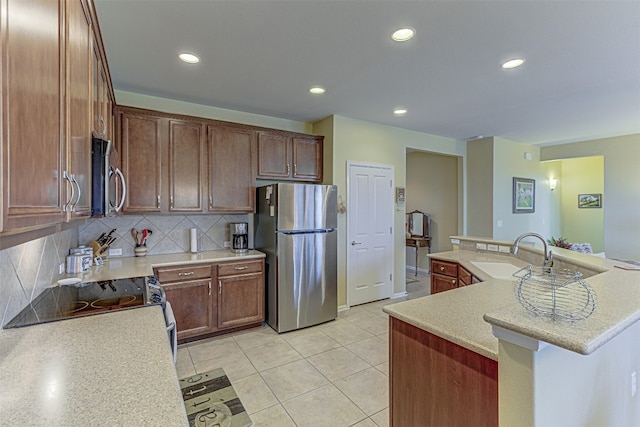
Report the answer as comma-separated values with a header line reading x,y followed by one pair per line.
x,y
557,294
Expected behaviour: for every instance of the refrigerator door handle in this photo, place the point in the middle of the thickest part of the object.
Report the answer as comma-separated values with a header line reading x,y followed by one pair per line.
x,y
353,243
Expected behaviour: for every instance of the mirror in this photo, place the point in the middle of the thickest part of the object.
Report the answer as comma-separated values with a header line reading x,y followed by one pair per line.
x,y
418,224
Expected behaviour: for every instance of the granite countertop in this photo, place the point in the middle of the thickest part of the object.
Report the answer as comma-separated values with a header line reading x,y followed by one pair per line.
x,y
117,268
104,370
466,315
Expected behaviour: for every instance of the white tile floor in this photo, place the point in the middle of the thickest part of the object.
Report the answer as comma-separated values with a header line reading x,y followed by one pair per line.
x,y
334,374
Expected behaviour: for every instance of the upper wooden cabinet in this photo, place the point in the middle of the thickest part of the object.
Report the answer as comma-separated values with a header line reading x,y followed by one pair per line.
x,y
186,166
287,157
46,77
141,145
231,169
79,53
31,33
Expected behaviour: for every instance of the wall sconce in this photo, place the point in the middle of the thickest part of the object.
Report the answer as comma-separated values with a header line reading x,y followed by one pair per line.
x,y
553,183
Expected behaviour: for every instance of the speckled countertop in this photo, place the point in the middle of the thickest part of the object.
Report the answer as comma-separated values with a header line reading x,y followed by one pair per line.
x,y
116,268
465,315
112,369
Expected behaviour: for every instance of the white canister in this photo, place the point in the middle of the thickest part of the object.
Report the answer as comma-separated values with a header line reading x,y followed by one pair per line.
x,y
74,264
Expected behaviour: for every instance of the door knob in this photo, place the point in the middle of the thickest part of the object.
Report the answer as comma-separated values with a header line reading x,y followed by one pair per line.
x,y
353,243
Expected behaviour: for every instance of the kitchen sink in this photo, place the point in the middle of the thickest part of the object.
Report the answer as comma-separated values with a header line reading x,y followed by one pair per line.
x,y
497,270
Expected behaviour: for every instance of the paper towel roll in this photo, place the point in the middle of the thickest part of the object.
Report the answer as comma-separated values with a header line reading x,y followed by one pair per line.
x,y
194,240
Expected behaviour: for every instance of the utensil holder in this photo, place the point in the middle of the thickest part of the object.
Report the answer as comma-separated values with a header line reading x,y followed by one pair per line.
x,y
140,250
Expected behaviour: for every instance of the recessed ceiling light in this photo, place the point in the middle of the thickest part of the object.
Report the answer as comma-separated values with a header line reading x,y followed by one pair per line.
x,y
399,111
403,34
189,58
317,90
513,63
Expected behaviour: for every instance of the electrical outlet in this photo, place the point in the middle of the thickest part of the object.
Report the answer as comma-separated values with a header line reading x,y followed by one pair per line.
x,y
61,268
633,384
227,244
504,249
115,252
493,248
482,246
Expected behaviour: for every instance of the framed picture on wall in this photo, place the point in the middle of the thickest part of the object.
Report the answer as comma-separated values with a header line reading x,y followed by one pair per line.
x,y
524,195
589,200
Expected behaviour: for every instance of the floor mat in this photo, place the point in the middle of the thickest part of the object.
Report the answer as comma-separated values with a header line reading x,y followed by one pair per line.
x,y
210,400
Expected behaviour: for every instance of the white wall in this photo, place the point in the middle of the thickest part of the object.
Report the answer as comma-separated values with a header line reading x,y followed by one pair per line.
x,y
556,387
132,99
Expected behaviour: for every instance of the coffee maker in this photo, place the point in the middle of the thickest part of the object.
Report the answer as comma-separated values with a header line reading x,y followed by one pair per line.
x,y
239,237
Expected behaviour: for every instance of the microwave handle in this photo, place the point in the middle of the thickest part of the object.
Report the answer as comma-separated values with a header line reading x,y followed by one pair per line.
x,y
124,189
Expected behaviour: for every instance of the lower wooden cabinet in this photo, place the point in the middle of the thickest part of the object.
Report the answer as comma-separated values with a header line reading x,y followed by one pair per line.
x,y
447,275
193,306
434,382
212,298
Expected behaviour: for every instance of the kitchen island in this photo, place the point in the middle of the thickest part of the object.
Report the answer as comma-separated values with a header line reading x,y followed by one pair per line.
x,y
474,356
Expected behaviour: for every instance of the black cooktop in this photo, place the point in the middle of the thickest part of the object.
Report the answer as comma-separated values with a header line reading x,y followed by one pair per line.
x,y
87,298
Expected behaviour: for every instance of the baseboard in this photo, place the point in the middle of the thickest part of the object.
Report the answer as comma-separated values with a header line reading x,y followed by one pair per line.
x,y
399,295
343,308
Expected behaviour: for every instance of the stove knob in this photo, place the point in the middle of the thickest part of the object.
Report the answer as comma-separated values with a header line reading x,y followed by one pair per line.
x,y
156,298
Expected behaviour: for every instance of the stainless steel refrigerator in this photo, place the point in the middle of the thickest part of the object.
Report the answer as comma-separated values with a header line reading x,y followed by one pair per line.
x,y
295,226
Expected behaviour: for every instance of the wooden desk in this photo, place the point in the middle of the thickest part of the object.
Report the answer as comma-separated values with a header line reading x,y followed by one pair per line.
x,y
419,242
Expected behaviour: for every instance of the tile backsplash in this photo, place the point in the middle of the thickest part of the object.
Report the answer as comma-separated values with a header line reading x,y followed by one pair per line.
x,y
170,233
27,269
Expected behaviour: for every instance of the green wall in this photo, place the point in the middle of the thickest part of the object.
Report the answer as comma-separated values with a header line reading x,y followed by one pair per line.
x,y
621,194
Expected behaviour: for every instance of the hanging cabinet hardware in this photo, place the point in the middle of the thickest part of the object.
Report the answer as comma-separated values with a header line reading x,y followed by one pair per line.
x,y
209,287
219,286
67,205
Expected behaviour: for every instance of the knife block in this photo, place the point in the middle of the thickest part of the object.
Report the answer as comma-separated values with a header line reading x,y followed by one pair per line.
x,y
98,250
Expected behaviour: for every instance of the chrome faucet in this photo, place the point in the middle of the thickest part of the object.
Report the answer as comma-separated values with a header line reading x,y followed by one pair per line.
x,y
548,256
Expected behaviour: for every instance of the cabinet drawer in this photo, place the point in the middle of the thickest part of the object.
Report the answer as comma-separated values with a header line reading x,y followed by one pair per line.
x,y
181,273
234,268
443,267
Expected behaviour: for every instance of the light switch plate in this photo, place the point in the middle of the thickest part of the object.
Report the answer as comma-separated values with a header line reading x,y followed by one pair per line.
x,y
455,241
504,249
492,248
227,244
61,268
115,252
482,246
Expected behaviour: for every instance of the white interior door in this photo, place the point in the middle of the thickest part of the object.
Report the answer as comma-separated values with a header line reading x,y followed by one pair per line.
x,y
369,232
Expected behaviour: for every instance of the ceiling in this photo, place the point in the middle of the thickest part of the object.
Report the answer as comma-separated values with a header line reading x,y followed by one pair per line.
x,y
581,78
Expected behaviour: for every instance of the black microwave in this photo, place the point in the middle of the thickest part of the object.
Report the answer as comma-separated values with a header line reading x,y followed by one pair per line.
x,y
108,188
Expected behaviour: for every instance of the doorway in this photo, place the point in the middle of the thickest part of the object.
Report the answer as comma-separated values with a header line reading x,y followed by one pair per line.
x,y
370,251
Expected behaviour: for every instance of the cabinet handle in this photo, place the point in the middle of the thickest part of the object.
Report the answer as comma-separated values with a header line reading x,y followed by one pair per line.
x,y
171,201
287,168
75,181
441,268
158,206
219,286
209,287
240,268
295,169
191,273
453,282
210,201
67,205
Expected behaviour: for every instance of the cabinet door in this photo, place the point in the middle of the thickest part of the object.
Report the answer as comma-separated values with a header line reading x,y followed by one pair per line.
x,y
186,160
240,300
193,305
78,84
32,113
441,283
307,158
231,169
141,162
274,155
